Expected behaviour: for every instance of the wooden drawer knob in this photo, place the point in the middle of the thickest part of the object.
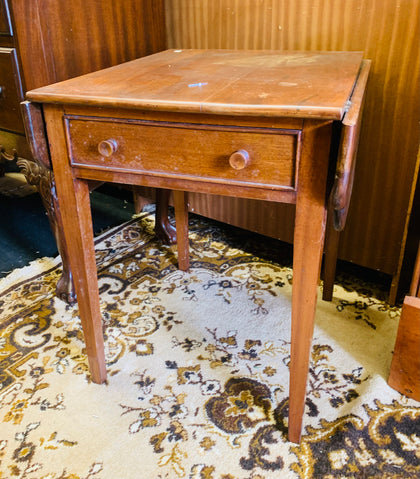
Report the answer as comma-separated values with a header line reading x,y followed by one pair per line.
x,y
239,159
107,147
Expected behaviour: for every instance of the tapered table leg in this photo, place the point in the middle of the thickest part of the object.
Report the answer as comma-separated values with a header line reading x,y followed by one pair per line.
x,y
307,254
83,265
73,196
181,219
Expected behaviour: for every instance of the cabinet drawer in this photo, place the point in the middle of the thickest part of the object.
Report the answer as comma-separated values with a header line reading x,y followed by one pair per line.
x,y
4,20
223,154
11,93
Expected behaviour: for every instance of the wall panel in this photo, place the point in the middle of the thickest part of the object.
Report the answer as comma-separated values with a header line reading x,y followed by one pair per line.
x,y
388,32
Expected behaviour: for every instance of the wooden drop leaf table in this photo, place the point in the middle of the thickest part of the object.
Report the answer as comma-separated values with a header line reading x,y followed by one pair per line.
x,y
251,124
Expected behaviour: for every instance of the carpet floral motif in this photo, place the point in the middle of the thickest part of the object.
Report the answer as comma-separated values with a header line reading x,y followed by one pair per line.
x,y
197,370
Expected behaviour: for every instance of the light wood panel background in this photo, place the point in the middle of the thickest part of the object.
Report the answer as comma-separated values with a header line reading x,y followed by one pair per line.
x,y
388,33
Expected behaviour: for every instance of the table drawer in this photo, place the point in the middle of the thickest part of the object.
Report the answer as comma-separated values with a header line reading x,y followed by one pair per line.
x,y
11,93
223,154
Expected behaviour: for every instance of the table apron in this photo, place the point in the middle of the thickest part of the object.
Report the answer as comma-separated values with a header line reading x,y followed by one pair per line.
x,y
198,185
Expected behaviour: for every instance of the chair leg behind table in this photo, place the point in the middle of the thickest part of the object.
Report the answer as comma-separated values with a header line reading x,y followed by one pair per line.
x,y
38,175
163,227
307,255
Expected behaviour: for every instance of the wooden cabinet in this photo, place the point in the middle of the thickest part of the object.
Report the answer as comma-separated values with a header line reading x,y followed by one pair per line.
x,y
10,90
51,40
12,139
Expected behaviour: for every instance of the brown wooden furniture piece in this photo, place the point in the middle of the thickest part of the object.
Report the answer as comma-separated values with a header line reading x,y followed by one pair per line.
x,y
404,375
53,40
238,123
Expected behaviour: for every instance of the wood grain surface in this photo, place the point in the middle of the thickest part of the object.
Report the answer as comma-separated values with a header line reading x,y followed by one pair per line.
x,y
291,84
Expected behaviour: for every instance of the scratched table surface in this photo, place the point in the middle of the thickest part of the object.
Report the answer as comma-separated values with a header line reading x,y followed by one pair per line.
x,y
291,84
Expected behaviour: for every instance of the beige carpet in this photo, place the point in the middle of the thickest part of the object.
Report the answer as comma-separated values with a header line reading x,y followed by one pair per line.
x,y
197,371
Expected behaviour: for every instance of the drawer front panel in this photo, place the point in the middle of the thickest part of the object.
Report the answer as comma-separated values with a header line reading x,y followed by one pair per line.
x,y
11,91
231,155
4,20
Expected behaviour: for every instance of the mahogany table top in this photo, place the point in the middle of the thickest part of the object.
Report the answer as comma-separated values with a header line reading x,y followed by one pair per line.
x,y
290,84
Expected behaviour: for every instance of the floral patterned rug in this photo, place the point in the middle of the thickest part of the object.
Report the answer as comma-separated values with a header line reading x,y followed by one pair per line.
x,y
197,370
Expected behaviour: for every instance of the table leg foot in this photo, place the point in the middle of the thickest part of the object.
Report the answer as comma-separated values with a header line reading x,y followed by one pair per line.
x,y
97,369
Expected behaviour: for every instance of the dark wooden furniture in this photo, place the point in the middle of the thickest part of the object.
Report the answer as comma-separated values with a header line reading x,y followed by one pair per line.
x,y
404,375
12,139
42,42
238,123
